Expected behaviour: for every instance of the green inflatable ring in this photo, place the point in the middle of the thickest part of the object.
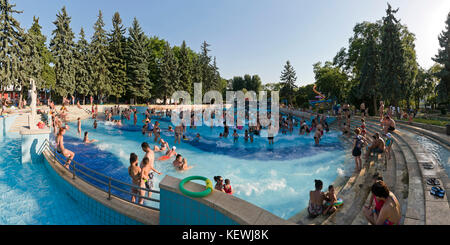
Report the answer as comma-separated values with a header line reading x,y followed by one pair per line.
x,y
209,187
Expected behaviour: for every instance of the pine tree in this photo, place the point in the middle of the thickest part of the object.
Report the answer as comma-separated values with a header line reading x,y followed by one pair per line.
x,y
288,78
170,77
185,69
443,58
99,61
216,79
138,65
32,57
116,59
47,75
12,39
205,67
391,58
62,47
83,77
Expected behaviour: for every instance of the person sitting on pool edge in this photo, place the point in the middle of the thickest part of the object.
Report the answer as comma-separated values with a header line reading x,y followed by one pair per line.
x,y
227,187
390,213
330,198
316,198
219,183
180,163
377,146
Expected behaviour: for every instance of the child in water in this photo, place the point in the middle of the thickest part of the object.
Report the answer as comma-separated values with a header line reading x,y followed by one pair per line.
x,y
246,136
236,136
227,187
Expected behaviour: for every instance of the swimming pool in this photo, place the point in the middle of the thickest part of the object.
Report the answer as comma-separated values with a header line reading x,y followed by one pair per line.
x,y
29,195
439,152
277,178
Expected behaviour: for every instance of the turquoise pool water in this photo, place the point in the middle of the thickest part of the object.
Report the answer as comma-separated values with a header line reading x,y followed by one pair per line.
x,y
29,195
277,178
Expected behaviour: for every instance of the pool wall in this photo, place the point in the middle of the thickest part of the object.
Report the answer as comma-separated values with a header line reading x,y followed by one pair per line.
x,y
114,211
216,209
5,124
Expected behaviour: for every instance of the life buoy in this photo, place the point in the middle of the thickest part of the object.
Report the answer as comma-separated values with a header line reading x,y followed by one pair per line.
x,y
206,192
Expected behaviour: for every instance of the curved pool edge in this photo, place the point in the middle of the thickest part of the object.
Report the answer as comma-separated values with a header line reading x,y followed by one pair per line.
x,y
114,211
218,208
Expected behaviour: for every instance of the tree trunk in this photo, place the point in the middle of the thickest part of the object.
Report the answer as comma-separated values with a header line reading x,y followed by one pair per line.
x,y
375,109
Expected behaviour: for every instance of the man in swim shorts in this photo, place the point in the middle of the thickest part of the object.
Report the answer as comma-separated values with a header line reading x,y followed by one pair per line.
x,y
389,125
135,173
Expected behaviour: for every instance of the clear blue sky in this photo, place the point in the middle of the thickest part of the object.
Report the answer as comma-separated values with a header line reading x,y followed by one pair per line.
x,y
252,36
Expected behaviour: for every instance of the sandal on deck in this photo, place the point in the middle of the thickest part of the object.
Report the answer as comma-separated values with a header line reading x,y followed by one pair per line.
x,y
433,181
437,191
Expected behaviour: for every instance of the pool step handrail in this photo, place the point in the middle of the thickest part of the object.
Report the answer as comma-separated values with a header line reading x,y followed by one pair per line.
x,y
81,169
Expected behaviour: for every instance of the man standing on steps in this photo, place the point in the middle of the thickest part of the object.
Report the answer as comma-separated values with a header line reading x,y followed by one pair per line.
x,y
388,125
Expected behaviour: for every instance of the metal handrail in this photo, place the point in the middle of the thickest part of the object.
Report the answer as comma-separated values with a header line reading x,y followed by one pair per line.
x,y
110,180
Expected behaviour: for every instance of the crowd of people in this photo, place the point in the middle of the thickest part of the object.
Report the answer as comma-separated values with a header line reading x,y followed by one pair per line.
x,y
383,209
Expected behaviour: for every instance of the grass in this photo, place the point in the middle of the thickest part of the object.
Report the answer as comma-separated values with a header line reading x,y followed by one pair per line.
x,y
441,123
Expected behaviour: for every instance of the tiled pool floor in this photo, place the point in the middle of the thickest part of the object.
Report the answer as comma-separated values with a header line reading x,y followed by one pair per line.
x,y
29,195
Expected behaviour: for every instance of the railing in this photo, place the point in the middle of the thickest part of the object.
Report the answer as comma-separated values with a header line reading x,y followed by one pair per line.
x,y
76,169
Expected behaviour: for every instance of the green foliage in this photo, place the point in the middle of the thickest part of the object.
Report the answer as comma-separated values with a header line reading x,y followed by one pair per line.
x,y
288,78
62,47
170,77
138,63
184,56
12,38
116,59
443,58
83,77
391,58
250,83
331,81
100,73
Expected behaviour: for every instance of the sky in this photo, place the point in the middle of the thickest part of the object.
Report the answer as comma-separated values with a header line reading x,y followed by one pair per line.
x,y
251,36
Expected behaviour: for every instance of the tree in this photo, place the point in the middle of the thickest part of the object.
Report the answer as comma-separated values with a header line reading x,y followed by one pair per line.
x,y
443,58
410,66
391,58
185,69
62,47
138,64
206,72
83,77
369,74
116,59
12,39
46,78
331,81
32,59
288,78
170,77
100,73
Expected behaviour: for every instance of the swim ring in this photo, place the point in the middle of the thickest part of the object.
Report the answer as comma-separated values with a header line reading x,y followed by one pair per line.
x,y
206,192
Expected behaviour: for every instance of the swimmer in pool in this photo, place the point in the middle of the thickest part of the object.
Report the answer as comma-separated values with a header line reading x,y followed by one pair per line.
x,y
86,138
164,146
180,163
